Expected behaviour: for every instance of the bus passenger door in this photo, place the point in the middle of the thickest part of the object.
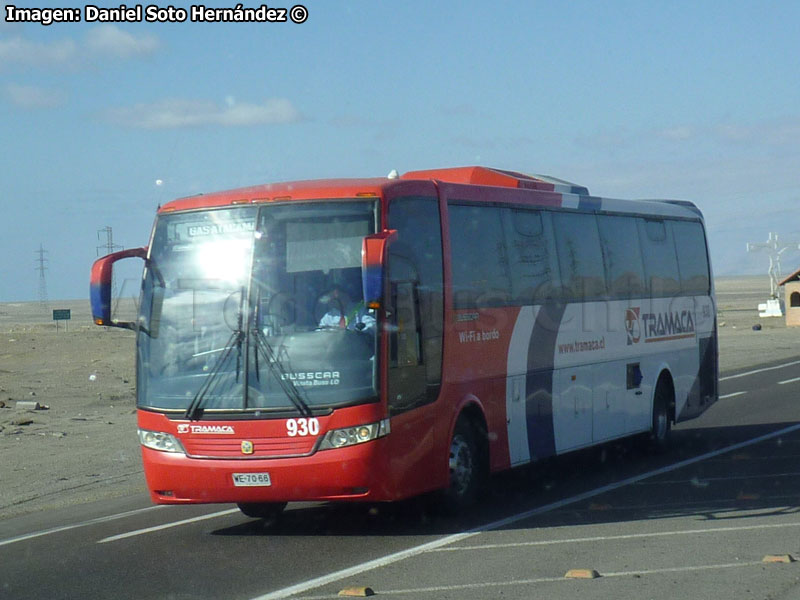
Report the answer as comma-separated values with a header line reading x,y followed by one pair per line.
x,y
409,404
609,401
572,408
517,420
414,323
407,384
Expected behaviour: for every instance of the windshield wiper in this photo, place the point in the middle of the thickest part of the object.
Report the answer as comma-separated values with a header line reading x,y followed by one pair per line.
x,y
235,341
289,388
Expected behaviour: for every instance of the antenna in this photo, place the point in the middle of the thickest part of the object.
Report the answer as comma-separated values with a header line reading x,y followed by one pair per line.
x,y
42,267
775,248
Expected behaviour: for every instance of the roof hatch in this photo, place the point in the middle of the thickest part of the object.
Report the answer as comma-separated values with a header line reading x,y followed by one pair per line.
x,y
498,177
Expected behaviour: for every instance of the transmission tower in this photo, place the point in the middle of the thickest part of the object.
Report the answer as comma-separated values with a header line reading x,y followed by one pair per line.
x,y
41,266
109,247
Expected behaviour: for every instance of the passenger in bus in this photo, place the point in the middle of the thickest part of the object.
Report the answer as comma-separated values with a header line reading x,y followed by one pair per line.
x,y
343,313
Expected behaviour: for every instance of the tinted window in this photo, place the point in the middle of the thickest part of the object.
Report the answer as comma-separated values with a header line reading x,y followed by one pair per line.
x,y
416,302
624,269
690,246
660,260
479,259
580,258
531,255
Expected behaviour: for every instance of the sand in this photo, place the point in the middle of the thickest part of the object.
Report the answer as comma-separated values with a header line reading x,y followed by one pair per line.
x,y
739,345
83,445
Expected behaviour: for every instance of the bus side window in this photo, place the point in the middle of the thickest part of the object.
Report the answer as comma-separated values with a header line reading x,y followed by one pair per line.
x,y
660,259
690,245
580,258
624,266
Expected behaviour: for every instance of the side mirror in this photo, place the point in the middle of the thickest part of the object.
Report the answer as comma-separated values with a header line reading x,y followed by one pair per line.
x,y
373,266
100,287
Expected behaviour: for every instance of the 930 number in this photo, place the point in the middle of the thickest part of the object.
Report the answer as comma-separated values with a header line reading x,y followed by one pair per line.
x,y
302,427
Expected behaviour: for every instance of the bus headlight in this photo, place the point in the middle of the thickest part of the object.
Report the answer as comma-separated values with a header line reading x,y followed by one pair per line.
x,y
158,440
350,436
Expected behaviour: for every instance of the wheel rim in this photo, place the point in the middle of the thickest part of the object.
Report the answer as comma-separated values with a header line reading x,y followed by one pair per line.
x,y
661,424
461,465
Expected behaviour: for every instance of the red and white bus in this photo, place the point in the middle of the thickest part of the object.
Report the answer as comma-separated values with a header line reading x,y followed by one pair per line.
x,y
376,339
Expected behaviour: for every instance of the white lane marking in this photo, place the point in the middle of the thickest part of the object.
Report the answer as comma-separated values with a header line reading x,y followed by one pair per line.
x,y
695,480
630,536
456,537
535,580
789,364
731,395
30,536
129,534
785,381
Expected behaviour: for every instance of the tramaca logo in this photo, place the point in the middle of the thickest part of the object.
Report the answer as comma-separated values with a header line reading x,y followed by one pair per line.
x,y
633,325
663,326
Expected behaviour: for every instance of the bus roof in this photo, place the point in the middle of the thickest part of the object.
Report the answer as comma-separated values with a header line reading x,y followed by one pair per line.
x,y
573,196
288,190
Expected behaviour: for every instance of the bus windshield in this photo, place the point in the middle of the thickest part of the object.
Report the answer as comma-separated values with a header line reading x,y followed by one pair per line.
x,y
257,309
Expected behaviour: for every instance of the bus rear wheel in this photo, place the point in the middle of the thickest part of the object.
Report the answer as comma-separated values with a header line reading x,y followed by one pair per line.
x,y
262,510
661,427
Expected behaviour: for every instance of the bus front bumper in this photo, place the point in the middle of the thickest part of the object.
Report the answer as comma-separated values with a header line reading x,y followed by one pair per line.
x,y
351,473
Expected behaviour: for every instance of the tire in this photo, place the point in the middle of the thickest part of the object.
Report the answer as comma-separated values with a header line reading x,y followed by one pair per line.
x,y
262,510
466,471
661,427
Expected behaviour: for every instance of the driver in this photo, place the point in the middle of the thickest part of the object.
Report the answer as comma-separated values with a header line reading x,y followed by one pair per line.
x,y
344,314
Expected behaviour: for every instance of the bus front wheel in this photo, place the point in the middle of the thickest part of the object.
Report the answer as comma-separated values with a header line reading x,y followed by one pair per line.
x,y
464,463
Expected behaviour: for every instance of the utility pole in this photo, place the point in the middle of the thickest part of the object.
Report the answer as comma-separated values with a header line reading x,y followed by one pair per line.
x,y
42,267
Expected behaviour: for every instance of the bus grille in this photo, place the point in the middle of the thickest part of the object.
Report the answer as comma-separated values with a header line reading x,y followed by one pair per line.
x,y
262,447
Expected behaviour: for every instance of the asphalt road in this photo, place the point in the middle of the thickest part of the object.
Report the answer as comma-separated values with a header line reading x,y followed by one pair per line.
x,y
694,522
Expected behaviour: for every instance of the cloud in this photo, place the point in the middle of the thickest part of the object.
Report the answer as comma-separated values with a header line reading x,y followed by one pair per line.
x,y
677,133
31,97
177,113
103,41
774,132
110,40
610,139
18,50
360,121
764,133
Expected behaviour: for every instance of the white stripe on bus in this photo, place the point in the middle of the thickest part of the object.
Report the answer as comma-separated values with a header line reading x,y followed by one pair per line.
x,y
516,392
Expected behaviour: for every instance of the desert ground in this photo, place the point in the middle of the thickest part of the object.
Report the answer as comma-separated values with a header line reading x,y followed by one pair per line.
x,y
81,445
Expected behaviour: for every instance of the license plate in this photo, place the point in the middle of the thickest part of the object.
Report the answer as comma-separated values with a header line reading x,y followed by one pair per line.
x,y
251,479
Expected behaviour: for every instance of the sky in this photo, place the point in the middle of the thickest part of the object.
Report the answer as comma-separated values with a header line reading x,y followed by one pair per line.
x,y
101,122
